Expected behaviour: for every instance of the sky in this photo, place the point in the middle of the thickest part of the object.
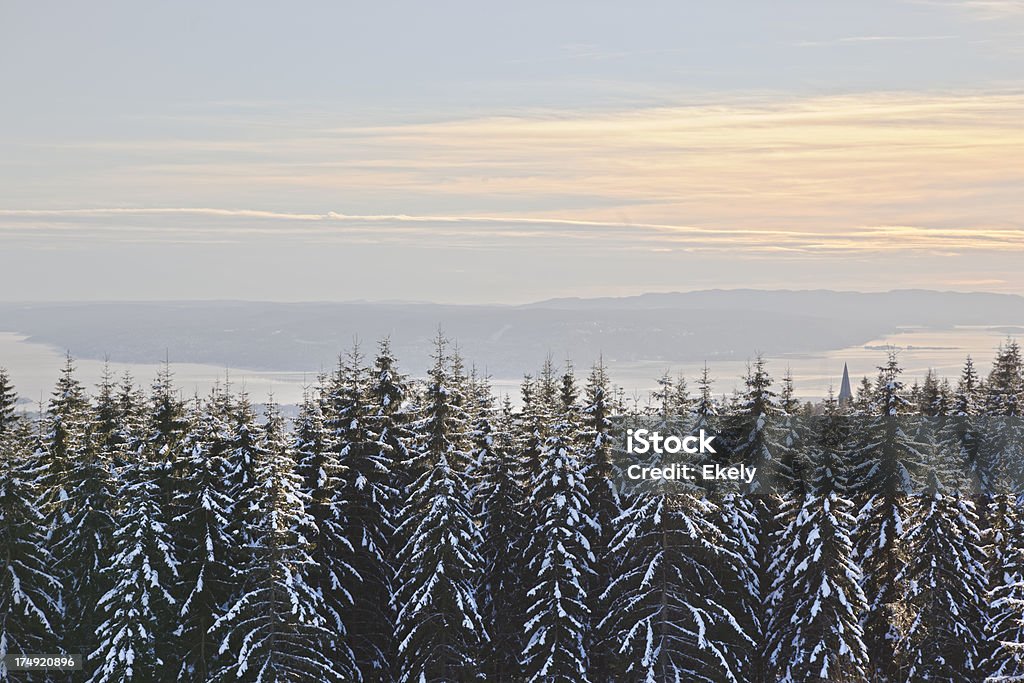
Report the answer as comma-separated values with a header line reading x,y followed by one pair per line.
x,y
470,152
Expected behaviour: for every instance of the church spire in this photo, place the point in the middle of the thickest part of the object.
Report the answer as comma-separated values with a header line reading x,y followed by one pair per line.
x,y
845,393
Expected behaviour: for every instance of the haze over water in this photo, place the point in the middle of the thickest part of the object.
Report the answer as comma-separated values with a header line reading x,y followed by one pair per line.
x,y
34,367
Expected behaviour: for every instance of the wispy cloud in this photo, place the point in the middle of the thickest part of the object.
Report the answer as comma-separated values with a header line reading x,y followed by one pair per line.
x,y
486,232
813,180
155,211
873,39
816,164
994,9
981,9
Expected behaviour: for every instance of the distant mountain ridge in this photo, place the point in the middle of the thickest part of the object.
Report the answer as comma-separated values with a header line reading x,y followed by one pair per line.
x,y
671,327
916,300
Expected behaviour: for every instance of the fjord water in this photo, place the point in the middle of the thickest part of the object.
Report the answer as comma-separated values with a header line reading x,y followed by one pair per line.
x,y
34,367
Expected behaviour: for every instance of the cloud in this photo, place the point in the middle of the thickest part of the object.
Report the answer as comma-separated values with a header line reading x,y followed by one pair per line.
x,y
160,211
212,225
996,9
796,175
873,39
982,9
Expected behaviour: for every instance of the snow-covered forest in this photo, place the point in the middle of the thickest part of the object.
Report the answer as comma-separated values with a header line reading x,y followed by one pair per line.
x,y
400,530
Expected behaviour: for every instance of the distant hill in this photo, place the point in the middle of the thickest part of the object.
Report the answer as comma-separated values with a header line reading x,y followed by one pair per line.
x,y
672,327
914,306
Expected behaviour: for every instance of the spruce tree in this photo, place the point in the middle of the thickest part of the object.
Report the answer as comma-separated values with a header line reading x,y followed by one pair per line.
x,y
1000,447
750,511
389,397
275,630
320,472
1004,390
241,459
358,536
561,559
663,396
815,633
756,437
968,393
65,427
738,524
963,432
166,431
864,401
499,499
666,606
1002,450
789,483
935,398
107,427
1004,599
30,594
439,627
8,403
596,460
945,585
204,537
681,401
79,500
532,432
705,410
139,610
887,460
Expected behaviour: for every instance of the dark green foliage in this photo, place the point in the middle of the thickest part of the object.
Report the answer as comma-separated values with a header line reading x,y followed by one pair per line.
x,y
595,445
139,609
275,631
79,500
1004,654
666,605
355,533
439,627
8,403
885,464
500,501
414,530
560,555
945,586
206,545
30,595
817,603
